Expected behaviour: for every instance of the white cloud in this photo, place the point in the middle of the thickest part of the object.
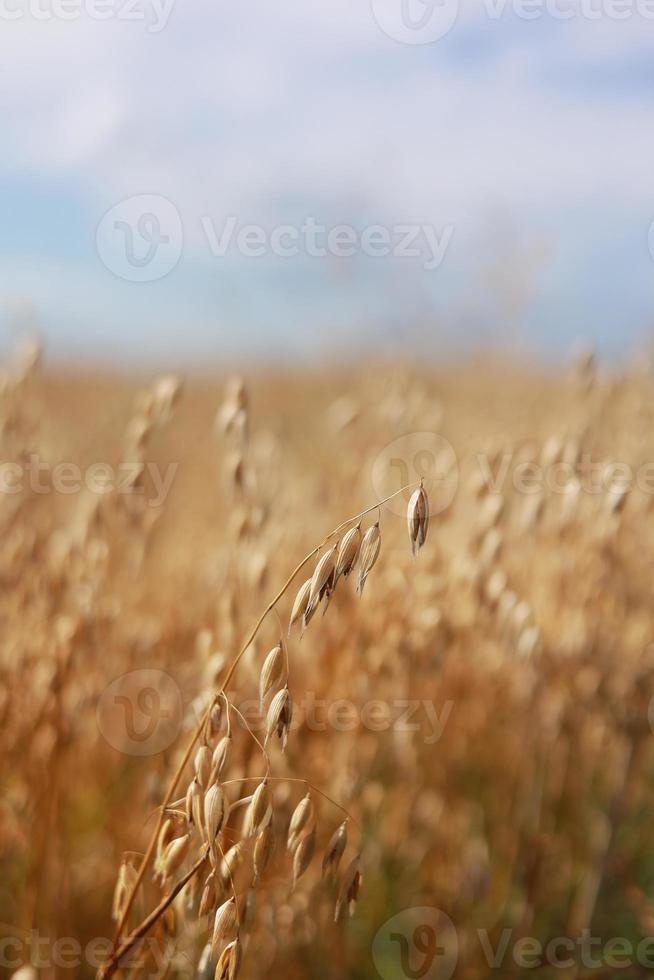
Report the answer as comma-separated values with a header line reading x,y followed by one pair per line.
x,y
272,111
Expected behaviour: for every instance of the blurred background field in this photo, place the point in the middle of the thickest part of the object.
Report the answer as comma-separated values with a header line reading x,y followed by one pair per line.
x,y
522,799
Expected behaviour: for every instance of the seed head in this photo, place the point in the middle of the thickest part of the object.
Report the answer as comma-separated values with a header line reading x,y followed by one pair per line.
x,y
230,961
209,895
174,855
214,812
224,922
202,765
263,849
350,888
322,582
418,519
302,817
280,714
369,554
303,854
219,759
348,553
271,672
335,850
194,804
259,810
300,604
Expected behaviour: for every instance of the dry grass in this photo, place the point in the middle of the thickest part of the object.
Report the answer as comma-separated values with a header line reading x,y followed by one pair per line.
x,y
516,794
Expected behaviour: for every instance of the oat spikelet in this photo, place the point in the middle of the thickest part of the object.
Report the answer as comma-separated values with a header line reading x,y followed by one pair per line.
x,y
303,854
322,575
302,817
322,582
259,811
219,758
271,672
263,849
215,718
335,850
209,895
214,812
166,834
300,605
350,888
231,861
124,883
174,855
194,801
229,961
202,764
224,922
348,553
279,716
369,554
417,516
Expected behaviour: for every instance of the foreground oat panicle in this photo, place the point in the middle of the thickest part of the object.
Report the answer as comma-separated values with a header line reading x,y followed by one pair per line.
x,y
214,844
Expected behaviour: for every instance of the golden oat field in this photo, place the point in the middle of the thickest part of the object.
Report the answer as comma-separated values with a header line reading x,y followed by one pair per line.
x,y
450,753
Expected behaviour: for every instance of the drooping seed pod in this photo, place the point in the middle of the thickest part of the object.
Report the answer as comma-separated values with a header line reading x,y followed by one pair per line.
x,y
194,805
202,764
224,922
271,672
209,895
165,836
417,516
302,817
322,581
369,554
229,961
231,862
174,855
303,854
215,719
214,812
300,605
350,888
280,714
259,811
124,884
335,850
219,758
263,849
348,553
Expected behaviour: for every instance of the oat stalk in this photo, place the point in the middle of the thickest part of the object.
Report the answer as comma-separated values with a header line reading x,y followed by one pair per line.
x,y
109,968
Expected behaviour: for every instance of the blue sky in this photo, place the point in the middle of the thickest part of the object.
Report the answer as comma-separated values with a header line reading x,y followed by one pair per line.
x,y
527,146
